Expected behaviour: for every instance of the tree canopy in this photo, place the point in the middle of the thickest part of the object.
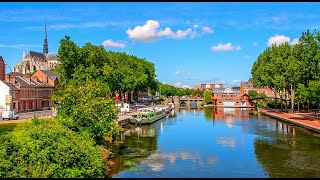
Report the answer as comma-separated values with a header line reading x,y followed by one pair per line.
x,y
287,69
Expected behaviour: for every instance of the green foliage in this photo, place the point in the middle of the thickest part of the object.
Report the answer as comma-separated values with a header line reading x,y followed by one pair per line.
x,y
46,149
207,96
287,69
169,90
253,93
262,95
85,108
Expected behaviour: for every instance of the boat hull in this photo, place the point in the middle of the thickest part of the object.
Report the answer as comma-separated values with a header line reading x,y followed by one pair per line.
x,y
148,121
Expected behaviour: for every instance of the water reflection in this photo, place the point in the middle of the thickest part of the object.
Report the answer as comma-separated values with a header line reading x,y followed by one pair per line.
x,y
218,142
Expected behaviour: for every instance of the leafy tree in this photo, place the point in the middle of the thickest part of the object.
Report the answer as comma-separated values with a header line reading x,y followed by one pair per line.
x,y
207,96
46,149
253,93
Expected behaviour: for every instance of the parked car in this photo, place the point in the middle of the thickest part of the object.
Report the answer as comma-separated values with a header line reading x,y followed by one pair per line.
x,y
9,115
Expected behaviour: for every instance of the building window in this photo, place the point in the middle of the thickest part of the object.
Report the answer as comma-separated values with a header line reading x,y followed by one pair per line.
x,y
220,102
13,94
237,102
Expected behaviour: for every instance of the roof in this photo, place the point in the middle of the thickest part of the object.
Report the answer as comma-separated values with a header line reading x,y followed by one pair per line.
x,y
27,82
52,75
34,54
247,84
52,56
16,74
223,91
11,86
1,59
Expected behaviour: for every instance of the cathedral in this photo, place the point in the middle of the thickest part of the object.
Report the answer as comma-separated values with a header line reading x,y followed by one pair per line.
x,y
36,60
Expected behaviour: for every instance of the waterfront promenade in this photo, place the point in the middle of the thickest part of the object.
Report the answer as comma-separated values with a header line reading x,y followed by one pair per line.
x,y
304,120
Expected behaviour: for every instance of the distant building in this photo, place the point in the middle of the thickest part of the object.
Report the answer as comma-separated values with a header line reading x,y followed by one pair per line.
x,y
210,86
28,92
196,87
37,60
246,86
46,76
230,97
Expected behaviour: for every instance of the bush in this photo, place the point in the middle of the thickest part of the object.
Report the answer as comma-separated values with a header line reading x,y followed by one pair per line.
x,y
47,149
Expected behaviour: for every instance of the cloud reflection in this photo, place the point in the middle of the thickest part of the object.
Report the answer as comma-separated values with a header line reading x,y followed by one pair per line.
x,y
227,141
157,161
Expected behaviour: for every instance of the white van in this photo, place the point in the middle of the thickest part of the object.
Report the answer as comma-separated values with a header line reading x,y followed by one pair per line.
x,y
9,115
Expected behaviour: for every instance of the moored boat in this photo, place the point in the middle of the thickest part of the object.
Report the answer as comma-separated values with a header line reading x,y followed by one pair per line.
x,y
148,115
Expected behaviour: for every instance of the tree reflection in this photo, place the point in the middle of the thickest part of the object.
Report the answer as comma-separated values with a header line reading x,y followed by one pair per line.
x,y
288,156
139,142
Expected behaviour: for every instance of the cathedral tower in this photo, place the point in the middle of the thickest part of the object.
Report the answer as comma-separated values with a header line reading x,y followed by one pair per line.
x,y
45,43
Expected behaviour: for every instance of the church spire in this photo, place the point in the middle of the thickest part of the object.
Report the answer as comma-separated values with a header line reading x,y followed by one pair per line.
x,y
45,43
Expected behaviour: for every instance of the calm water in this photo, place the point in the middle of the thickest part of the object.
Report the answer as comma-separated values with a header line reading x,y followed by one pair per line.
x,y
217,143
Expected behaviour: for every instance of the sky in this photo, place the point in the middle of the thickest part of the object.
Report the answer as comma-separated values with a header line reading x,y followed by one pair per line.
x,y
190,43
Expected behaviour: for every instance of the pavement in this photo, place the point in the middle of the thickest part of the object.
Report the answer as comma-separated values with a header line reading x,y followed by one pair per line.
x,y
28,115
305,120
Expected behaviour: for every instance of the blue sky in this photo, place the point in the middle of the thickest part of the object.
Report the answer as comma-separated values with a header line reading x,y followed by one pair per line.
x,y
190,43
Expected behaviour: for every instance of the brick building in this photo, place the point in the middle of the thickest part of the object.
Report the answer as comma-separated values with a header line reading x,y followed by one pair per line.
x,y
246,86
28,92
210,86
230,97
46,76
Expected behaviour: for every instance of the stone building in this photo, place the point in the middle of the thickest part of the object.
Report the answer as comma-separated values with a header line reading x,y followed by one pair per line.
x,y
38,60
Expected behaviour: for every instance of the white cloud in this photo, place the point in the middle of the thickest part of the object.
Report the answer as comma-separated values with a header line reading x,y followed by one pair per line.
x,y
207,30
278,39
281,39
254,44
230,83
110,43
247,57
19,46
179,85
150,32
225,47
182,72
294,41
195,26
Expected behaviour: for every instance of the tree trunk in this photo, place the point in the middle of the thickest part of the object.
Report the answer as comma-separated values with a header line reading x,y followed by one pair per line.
x,y
308,106
275,100
298,107
281,101
129,96
285,99
292,100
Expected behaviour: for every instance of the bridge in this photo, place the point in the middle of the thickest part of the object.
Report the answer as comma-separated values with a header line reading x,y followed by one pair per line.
x,y
177,100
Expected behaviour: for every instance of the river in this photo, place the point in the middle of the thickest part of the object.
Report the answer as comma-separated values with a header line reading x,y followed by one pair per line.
x,y
217,142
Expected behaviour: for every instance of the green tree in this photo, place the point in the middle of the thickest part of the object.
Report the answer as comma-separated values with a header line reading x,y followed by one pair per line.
x,y
207,96
46,149
253,94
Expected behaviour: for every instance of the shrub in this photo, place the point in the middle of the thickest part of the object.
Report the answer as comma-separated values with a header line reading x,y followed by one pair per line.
x,y
46,149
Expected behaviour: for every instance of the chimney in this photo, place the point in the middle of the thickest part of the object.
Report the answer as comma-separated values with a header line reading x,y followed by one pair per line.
x,y
2,69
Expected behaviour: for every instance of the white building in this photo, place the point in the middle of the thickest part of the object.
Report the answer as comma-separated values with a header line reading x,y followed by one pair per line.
x,y
4,91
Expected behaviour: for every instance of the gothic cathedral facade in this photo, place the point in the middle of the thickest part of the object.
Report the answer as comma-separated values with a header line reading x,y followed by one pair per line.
x,y
36,60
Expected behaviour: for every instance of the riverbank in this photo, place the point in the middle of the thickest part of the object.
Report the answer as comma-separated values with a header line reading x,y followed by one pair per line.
x,y
221,106
301,120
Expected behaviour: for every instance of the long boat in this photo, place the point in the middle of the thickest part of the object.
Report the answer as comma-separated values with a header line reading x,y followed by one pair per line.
x,y
148,115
